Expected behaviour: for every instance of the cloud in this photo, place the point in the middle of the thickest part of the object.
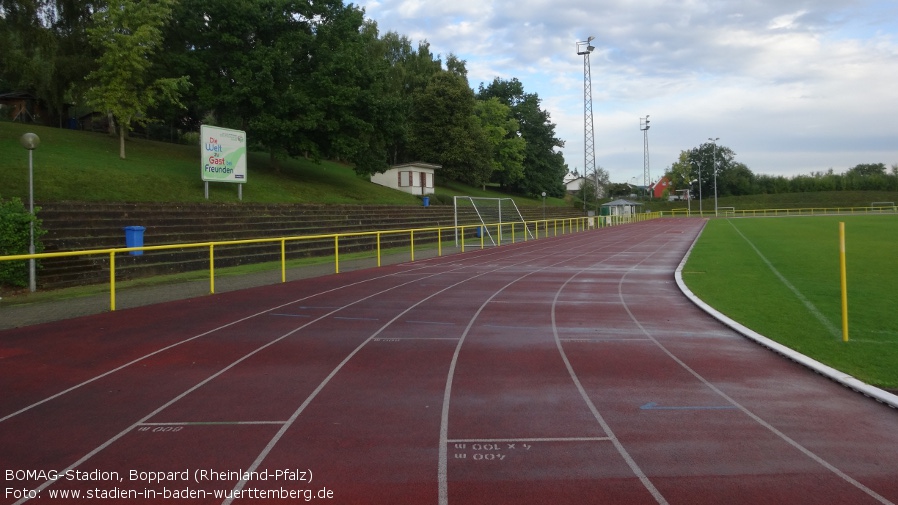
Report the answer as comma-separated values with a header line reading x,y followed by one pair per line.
x,y
792,86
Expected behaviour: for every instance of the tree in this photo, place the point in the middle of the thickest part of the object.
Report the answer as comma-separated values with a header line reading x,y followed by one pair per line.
x,y
544,168
445,130
128,33
506,145
868,169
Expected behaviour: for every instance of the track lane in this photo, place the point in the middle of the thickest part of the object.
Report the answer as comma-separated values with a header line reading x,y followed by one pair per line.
x,y
371,431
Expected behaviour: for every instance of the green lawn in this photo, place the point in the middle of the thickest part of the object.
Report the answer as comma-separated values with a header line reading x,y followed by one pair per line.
x,y
727,270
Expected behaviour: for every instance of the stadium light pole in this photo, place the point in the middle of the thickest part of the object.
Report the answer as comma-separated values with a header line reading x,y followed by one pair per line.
x,y
544,205
714,141
31,141
699,166
646,177
589,146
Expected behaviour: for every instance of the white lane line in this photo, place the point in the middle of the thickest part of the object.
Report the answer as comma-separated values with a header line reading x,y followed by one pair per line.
x,y
443,462
441,323
515,440
634,467
277,437
204,423
233,364
798,294
807,452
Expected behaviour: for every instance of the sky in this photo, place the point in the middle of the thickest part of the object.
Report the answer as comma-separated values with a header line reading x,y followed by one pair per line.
x,y
791,86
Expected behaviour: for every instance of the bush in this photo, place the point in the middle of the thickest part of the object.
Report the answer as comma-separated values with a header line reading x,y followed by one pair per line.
x,y
14,239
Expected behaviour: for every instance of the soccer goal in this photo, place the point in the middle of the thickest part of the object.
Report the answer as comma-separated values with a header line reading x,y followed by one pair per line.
x,y
493,217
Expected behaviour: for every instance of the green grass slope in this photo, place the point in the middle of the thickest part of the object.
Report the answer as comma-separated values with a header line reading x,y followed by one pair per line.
x,y
84,166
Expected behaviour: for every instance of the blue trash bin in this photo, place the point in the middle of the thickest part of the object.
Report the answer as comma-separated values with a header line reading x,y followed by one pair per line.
x,y
478,232
134,238
426,201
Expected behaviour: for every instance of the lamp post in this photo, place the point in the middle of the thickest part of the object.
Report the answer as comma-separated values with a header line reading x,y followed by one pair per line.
x,y
689,196
699,166
544,205
31,141
714,141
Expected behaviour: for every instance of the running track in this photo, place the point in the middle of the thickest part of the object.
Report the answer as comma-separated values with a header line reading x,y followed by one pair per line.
x,y
569,370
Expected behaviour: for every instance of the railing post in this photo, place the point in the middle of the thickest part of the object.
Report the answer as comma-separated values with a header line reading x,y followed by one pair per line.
x,y
212,269
439,242
411,236
378,248
336,254
283,260
112,281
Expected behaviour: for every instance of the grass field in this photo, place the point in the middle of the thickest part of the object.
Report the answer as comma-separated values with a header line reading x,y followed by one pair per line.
x,y
734,267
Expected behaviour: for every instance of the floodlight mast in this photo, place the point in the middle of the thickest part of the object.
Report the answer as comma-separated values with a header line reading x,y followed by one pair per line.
x,y
646,177
589,147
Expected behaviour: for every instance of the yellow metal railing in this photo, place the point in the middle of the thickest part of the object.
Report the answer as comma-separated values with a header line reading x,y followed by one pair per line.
x,y
815,211
541,229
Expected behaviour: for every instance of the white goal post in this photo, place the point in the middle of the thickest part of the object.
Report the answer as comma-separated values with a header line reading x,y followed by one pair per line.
x,y
491,214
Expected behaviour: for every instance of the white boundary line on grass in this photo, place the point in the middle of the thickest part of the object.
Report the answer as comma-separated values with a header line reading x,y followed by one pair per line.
x,y
827,371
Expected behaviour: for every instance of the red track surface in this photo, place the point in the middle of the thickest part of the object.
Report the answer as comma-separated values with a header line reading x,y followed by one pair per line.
x,y
567,370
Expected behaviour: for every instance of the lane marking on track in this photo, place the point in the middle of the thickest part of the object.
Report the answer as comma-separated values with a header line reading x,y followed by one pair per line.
x,y
233,364
798,294
655,406
204,423
514,440
440,323
807,452
443,460
282,431
634,467
291,315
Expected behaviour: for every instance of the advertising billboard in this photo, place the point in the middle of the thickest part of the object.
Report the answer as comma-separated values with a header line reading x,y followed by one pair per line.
x,y
222,154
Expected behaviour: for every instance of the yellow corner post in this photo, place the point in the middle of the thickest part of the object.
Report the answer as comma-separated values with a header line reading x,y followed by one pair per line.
x,y
844,276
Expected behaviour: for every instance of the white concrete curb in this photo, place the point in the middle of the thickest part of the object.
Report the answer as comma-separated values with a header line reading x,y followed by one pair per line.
x,y
827,371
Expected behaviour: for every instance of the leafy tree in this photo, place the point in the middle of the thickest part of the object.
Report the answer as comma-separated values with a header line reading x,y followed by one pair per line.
x,y
544,168
410,70
128,33
868,169
446,131
506,144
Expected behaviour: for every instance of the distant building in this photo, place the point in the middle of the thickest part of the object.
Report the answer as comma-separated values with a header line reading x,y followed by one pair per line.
x,y
415,178
620,208
661,186
573,186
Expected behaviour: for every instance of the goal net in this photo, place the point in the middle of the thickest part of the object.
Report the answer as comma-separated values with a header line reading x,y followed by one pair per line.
x,y
495,219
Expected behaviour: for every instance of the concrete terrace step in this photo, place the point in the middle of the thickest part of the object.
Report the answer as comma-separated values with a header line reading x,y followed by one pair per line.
x,y
80,226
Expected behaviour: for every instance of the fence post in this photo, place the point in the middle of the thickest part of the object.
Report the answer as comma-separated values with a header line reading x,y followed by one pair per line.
x,y
212,269
283,260
112,281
